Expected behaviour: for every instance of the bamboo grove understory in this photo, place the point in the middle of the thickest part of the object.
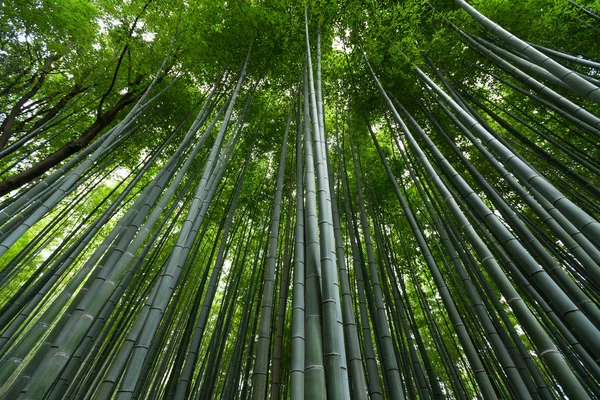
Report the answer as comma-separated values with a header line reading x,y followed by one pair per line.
x,y
339,201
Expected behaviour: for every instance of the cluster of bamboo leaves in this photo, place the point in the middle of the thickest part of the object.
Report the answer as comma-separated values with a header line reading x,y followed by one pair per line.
x,y
329,201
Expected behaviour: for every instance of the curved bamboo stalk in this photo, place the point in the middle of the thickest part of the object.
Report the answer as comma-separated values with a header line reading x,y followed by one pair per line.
x,y
577,84
543,342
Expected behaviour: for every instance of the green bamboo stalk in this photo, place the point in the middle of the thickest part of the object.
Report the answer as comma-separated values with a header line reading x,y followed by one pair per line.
x,y
544,344
298,304
260,371
336,384
382,328
314,372
577,84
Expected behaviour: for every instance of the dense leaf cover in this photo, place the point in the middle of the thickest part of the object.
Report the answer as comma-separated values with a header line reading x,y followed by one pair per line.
x,y
321,200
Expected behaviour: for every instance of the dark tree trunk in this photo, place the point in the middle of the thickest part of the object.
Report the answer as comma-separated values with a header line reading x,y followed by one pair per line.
x,y
51,112
7,126
68,149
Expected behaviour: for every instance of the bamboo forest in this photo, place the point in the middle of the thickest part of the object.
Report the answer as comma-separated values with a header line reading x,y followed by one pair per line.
x,y
269,199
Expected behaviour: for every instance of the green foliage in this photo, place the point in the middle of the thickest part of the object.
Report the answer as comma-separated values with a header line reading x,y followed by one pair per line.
x,y
105,51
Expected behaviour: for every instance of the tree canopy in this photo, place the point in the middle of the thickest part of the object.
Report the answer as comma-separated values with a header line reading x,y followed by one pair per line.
x,y
320,200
